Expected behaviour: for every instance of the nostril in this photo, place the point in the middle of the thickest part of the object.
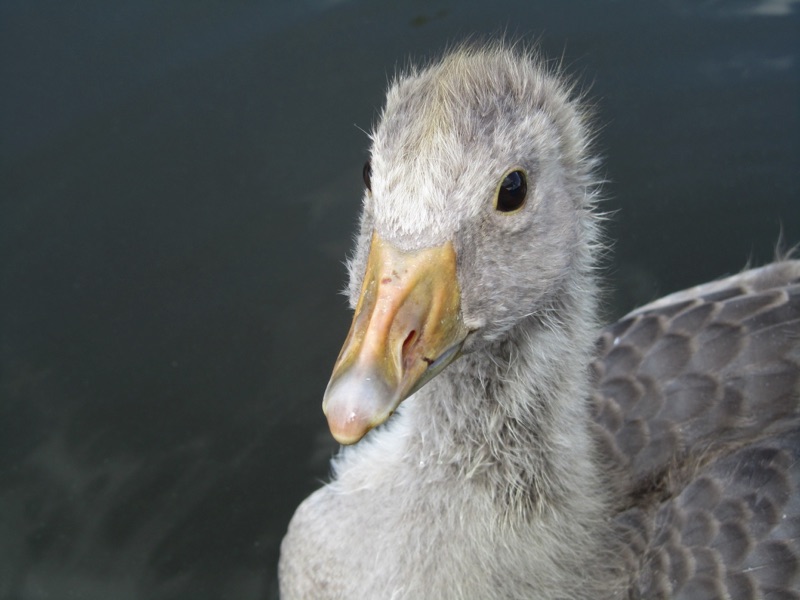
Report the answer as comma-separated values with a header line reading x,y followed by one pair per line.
x,y
410,339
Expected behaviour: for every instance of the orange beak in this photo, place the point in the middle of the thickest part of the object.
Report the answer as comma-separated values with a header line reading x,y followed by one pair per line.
x,y
407,328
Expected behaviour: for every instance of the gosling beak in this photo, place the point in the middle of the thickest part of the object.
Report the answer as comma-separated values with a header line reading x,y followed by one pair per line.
x,y
407,328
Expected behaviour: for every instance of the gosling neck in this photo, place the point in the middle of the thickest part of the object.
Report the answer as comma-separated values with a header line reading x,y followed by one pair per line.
x,y
514,415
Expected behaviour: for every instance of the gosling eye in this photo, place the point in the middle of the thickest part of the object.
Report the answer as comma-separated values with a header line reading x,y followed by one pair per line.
x,y
512,192
367,175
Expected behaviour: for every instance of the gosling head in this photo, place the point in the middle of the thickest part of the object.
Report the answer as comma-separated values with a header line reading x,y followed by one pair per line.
x,y
477,208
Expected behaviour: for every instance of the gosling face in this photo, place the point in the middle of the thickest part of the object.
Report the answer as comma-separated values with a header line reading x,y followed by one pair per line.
x,y
486,152
472,217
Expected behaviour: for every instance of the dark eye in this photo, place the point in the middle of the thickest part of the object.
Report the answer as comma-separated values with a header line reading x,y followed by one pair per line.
x,y
512,192
367,174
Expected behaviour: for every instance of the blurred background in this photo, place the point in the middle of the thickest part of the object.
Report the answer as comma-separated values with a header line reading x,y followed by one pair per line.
x,y
179,185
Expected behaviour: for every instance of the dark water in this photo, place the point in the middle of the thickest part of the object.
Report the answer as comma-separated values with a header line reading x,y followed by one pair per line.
x,y
179,185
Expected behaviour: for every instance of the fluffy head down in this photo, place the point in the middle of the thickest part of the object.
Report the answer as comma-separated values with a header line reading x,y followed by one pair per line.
x,y
483,485
447,137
